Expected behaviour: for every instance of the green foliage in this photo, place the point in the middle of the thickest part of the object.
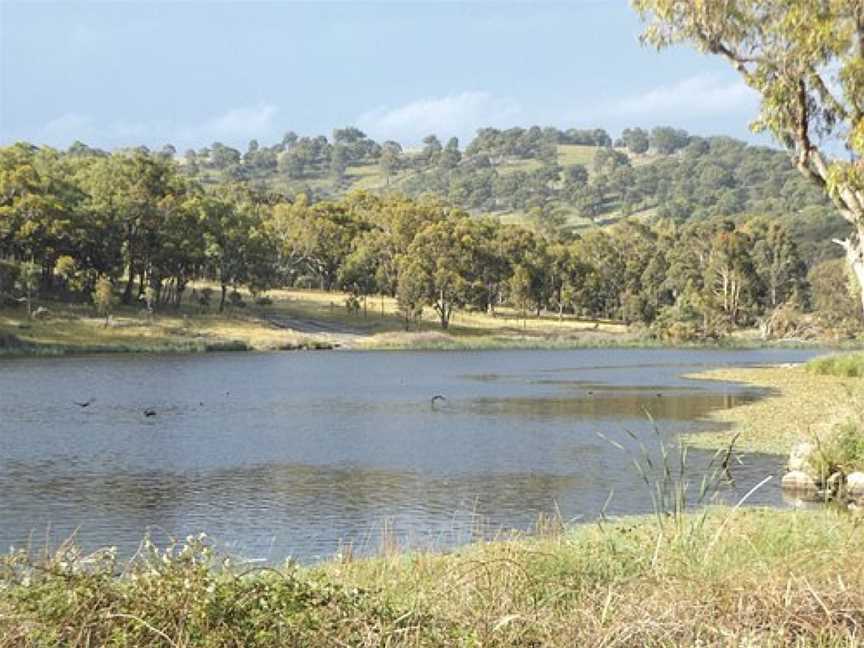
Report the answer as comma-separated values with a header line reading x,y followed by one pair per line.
x,y
846,366
103,297
27,283
180,595
841,452
834,296
805,60
139,222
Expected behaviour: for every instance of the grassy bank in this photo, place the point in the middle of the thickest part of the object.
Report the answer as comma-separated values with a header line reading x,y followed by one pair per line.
x,y
74,329
725,577
294,319
308,319
802,403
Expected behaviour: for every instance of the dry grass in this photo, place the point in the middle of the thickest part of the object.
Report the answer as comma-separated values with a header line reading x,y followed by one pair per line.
x,y
724,578
799,406
75,329
296,318
747,577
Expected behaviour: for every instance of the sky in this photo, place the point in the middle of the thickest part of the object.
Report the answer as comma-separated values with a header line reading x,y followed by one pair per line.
x,y
190,73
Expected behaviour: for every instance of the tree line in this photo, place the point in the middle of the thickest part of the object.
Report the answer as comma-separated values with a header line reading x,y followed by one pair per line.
x,y
134,219
663,170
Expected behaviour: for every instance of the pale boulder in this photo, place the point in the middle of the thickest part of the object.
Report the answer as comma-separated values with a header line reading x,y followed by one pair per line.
x,y
800,482
855,485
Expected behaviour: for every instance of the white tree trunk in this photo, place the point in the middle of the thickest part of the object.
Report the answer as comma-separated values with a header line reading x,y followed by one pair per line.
x,y
854,247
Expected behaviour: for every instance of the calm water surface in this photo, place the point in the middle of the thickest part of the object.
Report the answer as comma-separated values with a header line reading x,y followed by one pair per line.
x,y
294,454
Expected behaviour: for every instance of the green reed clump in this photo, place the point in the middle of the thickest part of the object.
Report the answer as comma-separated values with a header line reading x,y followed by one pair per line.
x,y
850,365
841,451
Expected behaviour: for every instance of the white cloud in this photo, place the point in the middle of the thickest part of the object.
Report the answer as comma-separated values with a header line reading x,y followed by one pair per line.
x,y
68,125
457,114
233,127
246,122
697,96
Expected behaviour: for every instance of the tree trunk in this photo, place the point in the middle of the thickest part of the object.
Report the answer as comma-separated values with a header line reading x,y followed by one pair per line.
x,y
127,292
222,298
854,247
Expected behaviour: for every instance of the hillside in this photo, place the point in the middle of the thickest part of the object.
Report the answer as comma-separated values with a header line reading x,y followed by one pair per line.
x,y
574,179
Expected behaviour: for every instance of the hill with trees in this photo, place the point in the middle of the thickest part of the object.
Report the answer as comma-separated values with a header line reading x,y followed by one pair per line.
x,y
142,220
573,179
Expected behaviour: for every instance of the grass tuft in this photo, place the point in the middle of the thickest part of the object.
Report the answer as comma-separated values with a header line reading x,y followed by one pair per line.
x,y
844,366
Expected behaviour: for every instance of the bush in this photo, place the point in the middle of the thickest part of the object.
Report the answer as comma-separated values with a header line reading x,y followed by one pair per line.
x,y
236,299
842,452
179,596
103,297
263,300
834,296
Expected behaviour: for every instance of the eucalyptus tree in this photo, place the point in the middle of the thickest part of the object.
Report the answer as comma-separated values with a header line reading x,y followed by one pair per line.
x,y
805,58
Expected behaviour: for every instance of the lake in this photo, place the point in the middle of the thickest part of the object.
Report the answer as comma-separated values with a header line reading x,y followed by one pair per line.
x,y
299,454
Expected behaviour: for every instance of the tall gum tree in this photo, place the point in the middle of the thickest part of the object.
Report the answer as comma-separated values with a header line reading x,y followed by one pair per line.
x,y
806,60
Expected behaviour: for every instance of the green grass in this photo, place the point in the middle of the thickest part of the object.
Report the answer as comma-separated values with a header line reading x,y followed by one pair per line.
x,y
840,451
797,405
571,154
845,366
721,577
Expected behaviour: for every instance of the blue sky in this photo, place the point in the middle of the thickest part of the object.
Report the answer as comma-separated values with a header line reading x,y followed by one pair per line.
x,y
190,73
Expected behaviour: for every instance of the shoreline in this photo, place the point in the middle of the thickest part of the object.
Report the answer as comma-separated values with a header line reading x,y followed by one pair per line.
x,y
390,343
310,319
798,405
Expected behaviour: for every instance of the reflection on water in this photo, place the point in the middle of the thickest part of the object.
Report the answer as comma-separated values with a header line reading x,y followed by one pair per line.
x,y
675,406
293,454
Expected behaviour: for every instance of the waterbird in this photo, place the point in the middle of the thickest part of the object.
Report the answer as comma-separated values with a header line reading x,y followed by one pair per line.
x,y
149,412
86,403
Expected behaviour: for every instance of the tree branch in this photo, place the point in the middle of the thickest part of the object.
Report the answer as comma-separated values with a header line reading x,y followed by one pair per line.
x,y
827,96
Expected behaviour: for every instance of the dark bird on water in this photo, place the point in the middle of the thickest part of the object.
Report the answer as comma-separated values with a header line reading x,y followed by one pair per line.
x,y
149,412
437,397
86,403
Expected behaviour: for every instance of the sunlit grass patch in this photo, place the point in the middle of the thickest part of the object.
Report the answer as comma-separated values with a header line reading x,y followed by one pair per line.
x,y
798,406
570,154
849,365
